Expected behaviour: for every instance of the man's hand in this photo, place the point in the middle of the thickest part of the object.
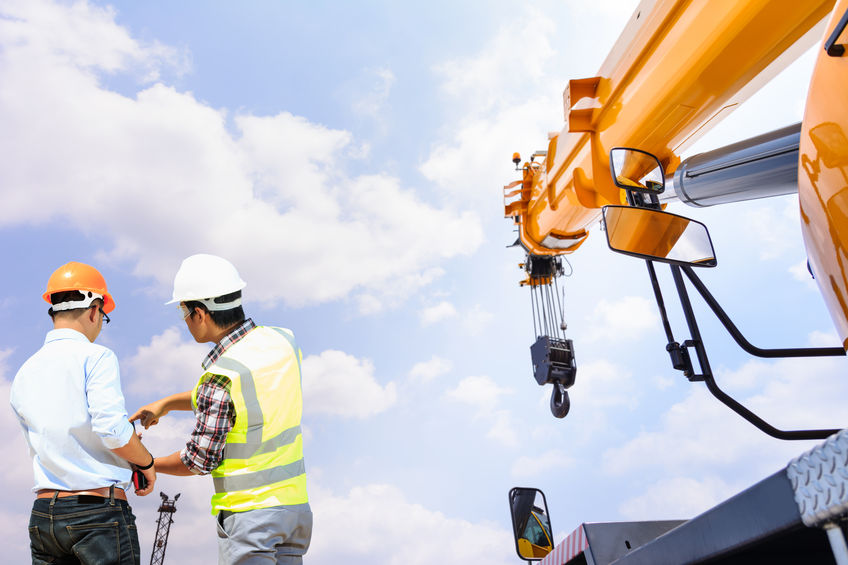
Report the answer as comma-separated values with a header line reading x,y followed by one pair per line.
x,y
149,414
150,475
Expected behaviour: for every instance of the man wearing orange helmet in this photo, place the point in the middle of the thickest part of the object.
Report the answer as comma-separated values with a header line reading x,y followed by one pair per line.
x,y
68,399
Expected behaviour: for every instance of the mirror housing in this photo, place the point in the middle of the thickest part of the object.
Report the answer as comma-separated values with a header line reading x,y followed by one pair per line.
x,y
636,170
659,236
531,524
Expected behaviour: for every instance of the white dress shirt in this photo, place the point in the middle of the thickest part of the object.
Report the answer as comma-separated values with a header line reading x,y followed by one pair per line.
x,y
68,399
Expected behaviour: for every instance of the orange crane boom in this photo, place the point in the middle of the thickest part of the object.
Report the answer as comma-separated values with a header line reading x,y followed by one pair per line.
x,y
678,68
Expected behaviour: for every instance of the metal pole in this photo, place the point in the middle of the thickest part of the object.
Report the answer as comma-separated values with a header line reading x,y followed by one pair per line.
x,y
837,543
660,302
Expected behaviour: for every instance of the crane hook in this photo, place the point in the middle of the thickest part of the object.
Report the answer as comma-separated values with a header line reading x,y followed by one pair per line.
x,y
560,404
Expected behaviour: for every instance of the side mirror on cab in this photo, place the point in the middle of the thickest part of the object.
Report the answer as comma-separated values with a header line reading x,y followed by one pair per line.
x,y
636,170
659,236
531,525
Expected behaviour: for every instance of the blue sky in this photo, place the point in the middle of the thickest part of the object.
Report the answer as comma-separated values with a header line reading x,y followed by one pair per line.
x,y
349,159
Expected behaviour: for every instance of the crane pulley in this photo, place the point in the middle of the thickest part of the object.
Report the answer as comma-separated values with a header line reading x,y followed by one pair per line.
x,y
552,353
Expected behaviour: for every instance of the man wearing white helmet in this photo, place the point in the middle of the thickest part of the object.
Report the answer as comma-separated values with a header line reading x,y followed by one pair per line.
x,y
247,435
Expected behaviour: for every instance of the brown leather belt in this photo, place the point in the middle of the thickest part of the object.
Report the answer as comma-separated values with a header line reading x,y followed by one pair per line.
x,y
104,492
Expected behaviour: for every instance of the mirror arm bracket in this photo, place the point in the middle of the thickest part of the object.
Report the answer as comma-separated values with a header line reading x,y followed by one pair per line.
x,y
713,387
744,343
679,354
643,200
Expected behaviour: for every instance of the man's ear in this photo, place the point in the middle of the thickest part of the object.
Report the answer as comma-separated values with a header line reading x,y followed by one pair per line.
x,y
202,314
92,313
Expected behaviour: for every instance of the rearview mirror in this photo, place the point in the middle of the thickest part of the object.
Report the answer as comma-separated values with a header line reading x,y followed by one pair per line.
x,y
636,170
657,235
531,525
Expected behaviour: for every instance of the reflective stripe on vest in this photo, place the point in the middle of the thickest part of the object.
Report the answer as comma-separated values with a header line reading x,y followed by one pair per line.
x,y
256,473
259,478
248,450
255,419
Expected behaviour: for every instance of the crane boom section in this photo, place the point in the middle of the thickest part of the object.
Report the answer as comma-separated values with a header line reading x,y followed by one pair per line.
x,y
679,67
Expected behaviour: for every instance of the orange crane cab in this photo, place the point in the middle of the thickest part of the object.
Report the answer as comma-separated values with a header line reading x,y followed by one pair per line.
x,y
823,171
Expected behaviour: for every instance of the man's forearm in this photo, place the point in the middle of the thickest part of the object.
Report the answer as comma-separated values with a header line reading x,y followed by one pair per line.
x,y
179,401
134,452
172,465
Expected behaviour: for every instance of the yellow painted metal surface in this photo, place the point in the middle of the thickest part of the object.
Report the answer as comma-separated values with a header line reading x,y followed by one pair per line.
x,y
678,68
823,177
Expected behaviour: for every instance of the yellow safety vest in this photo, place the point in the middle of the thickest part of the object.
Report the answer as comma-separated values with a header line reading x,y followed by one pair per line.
x,y
263,456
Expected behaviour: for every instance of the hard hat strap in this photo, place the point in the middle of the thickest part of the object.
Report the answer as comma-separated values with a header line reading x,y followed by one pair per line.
x,y
213,306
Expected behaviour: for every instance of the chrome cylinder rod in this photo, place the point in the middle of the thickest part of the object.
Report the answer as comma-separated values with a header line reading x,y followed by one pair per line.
x,y
759,167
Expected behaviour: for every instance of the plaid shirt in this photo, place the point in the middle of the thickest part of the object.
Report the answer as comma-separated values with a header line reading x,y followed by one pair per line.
x,y
228,340
215,411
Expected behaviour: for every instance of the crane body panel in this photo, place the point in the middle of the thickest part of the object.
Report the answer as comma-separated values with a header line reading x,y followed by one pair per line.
x,y
823,177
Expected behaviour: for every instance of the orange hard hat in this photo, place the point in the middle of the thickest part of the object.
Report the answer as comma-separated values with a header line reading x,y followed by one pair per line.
x,y
79,276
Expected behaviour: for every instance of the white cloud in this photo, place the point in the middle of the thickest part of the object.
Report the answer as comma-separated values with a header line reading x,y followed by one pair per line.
x,y
74,34
801,272
368,304
482,78
602,384
433,314
168,362
340,384
699,432
662,382
502,428
477,320
372,101
426,371
4,362
163,163
677,498
545,464
607,8
823,339
628,316
501,112
391,292
771,227
19,476
484,144
358,528
482,394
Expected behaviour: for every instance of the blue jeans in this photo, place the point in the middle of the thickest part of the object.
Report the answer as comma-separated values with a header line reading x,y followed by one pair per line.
x,y
87,530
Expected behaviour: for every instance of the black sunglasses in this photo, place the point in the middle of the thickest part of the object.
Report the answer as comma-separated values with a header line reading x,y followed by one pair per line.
x,y
105,317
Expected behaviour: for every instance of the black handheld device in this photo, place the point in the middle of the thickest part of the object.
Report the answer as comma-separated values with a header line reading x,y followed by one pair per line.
x,y
138,479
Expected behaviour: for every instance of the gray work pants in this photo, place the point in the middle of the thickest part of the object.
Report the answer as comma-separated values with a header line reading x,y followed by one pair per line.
x,y
264,536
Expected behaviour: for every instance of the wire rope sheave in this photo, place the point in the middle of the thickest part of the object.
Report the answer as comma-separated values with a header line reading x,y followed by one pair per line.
x,y
552,353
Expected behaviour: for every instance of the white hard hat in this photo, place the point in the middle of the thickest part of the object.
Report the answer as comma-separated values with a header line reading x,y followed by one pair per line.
x,y
202,277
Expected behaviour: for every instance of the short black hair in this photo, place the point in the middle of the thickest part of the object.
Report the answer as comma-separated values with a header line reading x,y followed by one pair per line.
x,y
221,318
69,296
